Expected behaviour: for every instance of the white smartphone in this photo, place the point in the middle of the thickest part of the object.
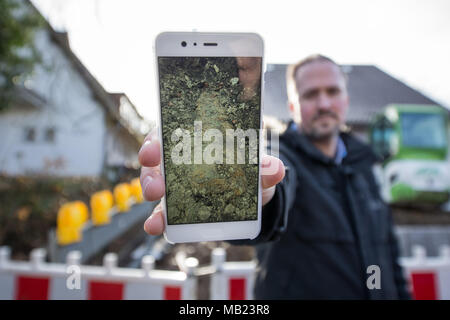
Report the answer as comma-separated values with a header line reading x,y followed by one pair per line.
x,y
210,87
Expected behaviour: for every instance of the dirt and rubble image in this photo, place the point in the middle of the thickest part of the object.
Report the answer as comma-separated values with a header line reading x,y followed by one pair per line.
x,y
199,94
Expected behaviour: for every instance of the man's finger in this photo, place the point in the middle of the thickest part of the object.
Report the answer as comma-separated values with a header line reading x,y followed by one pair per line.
x,y
152,183
150,153
267,195
276,173
154,225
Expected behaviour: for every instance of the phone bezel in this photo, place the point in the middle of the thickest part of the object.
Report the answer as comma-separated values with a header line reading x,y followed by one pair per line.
x,y
168,44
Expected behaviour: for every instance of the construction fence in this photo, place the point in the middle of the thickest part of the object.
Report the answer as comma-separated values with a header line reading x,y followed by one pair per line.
x,y
428,278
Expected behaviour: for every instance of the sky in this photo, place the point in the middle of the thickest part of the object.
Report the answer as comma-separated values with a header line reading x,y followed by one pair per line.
x,y
409,39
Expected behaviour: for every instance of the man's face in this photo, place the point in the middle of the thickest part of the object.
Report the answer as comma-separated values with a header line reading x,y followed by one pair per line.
x,y
323,99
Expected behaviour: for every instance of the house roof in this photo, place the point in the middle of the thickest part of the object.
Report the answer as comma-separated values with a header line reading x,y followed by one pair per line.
x,y
370,90
106,100
28,98
117,96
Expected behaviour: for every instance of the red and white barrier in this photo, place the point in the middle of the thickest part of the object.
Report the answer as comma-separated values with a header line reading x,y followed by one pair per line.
x,y
232,280
428,277
38,280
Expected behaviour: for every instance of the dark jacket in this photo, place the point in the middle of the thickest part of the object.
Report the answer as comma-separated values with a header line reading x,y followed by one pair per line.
x,y
325,225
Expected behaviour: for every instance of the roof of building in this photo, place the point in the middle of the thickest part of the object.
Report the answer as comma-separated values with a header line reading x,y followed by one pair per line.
x,y
370,90
106,100
117,96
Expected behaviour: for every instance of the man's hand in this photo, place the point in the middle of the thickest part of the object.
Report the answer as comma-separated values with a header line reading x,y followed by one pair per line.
x,y
153,187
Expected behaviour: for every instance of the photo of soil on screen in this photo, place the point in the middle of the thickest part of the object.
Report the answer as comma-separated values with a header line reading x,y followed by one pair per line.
x,y
210,109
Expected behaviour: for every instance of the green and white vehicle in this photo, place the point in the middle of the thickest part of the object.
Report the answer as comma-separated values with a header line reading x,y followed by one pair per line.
x,y
413,141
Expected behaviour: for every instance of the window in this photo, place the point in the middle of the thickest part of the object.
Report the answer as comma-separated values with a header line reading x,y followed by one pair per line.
x,y
49,135
422,130
30,134
383,138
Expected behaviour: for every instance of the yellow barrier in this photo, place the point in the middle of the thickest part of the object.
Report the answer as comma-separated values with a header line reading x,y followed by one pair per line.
x,y
69,222
136,190
101,204
83,209
122,193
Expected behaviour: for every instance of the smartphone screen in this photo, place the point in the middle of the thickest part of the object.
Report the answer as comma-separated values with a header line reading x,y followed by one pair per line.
x,y
210,120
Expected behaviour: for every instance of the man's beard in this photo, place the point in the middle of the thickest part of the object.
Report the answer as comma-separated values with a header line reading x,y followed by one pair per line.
x,y
317,135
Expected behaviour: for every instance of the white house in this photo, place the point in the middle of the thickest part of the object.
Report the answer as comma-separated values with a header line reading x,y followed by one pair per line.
x,y
64,123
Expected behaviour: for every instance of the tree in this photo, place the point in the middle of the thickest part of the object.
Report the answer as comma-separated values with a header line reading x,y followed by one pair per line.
x,y
18,55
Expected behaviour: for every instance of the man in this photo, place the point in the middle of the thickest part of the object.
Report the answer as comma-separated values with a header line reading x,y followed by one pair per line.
x,y
326,233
